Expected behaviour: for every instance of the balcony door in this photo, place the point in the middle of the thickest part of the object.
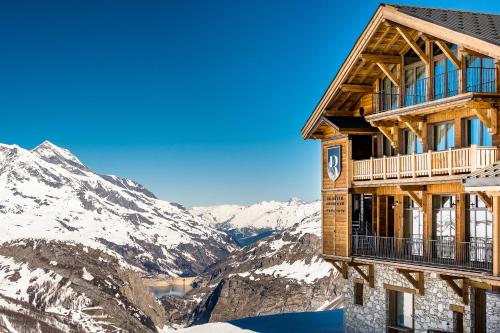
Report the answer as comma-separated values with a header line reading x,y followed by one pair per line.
x,y
412,144
443,226
477,133
413,227
415,85
390,93
445,78
480,74
479,229
443,136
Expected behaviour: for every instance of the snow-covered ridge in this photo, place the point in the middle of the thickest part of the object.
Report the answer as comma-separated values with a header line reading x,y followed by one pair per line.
x,y
48,193
266,214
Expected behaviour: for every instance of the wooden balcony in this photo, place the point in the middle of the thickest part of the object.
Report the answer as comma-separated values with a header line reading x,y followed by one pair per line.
x,y
430,164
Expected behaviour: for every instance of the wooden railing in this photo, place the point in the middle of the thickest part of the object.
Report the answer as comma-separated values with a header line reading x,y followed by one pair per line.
x,y
432,163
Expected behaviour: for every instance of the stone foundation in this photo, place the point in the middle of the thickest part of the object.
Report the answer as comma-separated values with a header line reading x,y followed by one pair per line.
x,y
431,310
493,311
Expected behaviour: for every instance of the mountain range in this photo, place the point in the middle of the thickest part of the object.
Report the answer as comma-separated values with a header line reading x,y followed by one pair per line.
x,y
49,193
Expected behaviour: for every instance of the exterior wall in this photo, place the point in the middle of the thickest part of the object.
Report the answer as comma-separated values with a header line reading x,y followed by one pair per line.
x,y
336,201
493,311
431,310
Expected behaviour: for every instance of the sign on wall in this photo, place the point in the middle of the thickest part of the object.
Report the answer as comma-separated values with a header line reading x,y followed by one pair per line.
x,y
334,166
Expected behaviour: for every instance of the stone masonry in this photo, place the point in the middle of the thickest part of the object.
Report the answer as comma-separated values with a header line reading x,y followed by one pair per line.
x,y
493,311
431,310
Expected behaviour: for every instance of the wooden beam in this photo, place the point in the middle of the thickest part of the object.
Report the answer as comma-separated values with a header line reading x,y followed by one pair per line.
x,y
357,88
417,282
448,53
488,201
381,38
370,277
416,125
341,267
462,290
406,36
388,73
382,58
457,308
416,198
488,117
399,289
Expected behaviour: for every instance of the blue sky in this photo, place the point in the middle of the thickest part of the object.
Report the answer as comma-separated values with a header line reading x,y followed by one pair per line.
x,y
201,101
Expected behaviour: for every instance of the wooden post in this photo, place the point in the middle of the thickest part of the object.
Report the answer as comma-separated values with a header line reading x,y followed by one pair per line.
x,y
427,211
496,235
413,165
398,166
384,167
473,157
429,162
450,160
460,228
371,168
429,68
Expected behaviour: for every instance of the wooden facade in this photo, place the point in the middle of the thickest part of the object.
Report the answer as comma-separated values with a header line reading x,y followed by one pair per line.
x,y
432,111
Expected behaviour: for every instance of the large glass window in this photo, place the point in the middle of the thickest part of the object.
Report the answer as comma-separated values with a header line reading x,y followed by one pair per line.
x,y
413,226
477,133
480,219
412,143
415,85
389,93
480,74
443,226
400,309
444,136
445,79
479,223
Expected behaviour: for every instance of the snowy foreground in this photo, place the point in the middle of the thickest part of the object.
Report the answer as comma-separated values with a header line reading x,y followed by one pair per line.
x,y
301,322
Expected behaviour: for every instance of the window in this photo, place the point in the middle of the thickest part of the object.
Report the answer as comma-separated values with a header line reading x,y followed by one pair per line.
x,y
480,227
400,309
389,93
443,226
413,226
445,78
444,136
415,85
412,144
358,293
480,74
477,133
480,219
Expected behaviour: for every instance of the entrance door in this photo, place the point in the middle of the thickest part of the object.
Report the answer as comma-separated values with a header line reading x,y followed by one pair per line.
x,y
479,311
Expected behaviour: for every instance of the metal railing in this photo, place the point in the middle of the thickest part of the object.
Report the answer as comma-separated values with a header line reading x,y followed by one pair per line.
x,y
477,254
447,84
431,163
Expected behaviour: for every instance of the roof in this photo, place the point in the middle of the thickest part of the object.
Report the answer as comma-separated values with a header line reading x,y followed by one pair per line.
x,y
479,25
475,32
488,176
344,123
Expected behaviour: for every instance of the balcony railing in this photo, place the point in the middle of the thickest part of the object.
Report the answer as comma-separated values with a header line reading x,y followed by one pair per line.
x,y
432,163
444,252
477,79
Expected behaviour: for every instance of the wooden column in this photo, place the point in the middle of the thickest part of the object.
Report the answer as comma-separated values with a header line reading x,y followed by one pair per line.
x,y
460,227
496,235
427,211
429,69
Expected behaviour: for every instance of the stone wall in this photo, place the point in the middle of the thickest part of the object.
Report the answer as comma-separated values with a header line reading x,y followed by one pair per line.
x,y
431,310
493,311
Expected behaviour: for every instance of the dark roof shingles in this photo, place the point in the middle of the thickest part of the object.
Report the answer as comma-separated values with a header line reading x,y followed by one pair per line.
x,y
488,176
479,25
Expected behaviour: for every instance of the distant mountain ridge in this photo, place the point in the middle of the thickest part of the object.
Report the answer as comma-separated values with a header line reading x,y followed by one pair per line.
x,y
248,224
49,193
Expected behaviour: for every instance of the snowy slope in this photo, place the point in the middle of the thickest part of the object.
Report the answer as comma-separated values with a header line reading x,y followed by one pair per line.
x,y
250,223
48,193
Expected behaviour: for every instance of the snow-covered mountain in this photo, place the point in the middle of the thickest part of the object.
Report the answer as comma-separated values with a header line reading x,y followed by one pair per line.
x,y
281,273
248,224
48,193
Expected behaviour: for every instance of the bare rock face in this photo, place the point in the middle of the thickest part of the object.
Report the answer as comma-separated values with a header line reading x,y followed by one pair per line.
x,y
67,287
281,273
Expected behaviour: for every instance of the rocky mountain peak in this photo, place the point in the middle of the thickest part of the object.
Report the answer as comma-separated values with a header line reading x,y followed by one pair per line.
x,y
54,154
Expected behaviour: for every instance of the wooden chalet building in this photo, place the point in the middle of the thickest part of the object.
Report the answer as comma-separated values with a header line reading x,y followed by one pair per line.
x,y
411,197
